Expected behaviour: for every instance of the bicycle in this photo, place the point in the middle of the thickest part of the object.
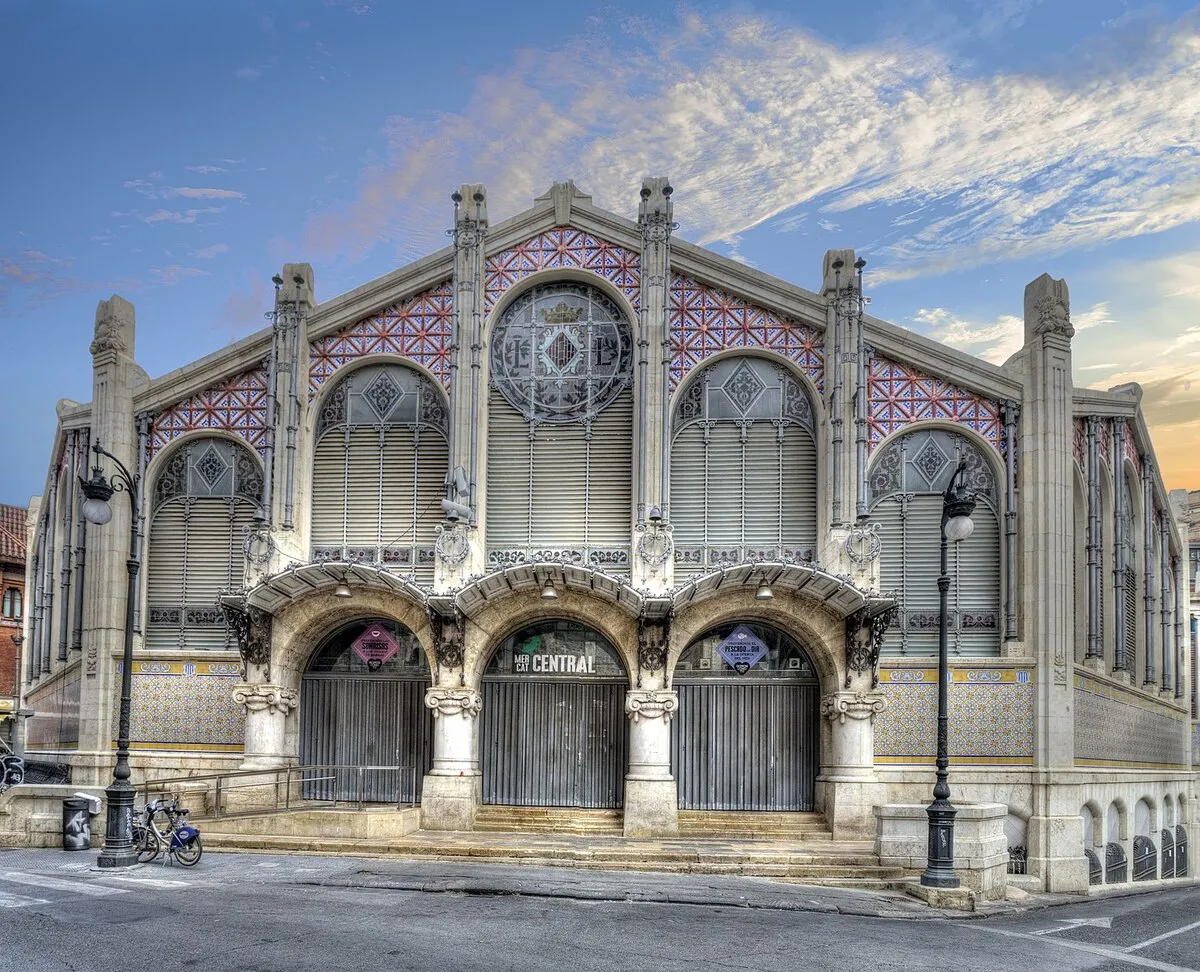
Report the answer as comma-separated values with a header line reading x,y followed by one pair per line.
x,y
180,840
12,768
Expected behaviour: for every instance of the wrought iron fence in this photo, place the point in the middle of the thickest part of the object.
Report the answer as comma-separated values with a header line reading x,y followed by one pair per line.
x,y
1017,860
1181,851
1168,853
1095,869
1116,865
1145,859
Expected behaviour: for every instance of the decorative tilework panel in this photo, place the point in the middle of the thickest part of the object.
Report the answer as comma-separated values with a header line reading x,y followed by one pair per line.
x,y
564,247
237,405
419,328
187,703
1079,442
705,320
986,719
1113,725
1131,449
1106,443
900,395
56,723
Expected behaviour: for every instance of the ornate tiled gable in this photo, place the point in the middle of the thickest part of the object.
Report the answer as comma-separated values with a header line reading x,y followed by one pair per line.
x,y
237,405
419,328
705,320
564,247
900,395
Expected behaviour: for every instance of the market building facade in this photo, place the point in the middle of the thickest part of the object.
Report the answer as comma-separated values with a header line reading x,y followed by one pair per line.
x,y
574,513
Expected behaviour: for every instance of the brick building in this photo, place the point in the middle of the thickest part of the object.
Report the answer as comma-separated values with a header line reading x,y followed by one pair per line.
x,y
12,608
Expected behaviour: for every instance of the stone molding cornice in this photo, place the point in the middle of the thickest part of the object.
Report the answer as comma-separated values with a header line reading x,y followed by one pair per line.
x,y
853,705
261,697
453,702
651,704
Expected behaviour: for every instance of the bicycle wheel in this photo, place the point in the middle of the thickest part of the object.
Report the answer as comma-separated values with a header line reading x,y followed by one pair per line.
x,y
189,853
145,843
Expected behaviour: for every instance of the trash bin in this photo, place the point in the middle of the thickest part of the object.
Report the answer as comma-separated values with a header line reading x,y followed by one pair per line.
x,y
77,824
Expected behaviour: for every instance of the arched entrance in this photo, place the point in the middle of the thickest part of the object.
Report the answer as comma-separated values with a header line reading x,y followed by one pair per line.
x,y
362,704
745,736
554,730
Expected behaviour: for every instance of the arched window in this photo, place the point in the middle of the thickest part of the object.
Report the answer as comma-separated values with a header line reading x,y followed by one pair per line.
x,y
203,499
743,467
560,430
1133,531
907,480
1079,564
379,469
12,604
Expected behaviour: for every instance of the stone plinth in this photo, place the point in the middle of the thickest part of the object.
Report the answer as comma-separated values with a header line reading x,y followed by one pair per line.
x,y
980,847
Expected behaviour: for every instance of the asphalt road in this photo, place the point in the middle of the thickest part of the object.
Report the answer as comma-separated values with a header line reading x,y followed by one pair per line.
x,y
247,912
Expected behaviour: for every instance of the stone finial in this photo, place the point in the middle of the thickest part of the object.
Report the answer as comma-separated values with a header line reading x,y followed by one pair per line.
x,y
1178,499
656,212
114,327
845,273
563,195
1047,309
472,202
298,283
1131,388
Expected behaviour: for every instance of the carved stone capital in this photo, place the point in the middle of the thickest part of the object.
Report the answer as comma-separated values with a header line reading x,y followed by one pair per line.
x,y
853,705
260,697
651,704
452,702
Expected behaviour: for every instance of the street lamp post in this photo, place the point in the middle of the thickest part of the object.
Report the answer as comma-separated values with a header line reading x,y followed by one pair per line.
x,y
958,502
118,831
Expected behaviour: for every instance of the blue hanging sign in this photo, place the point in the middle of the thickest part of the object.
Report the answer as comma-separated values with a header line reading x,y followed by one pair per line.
x,y
742,650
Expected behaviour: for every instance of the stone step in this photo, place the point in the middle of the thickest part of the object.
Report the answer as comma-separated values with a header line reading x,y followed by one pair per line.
x,y
548,820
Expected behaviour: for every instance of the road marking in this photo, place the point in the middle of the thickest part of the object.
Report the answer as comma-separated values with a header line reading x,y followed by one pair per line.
x,y
149,882
79,887
1159,938
1108,953
1070,923
18,901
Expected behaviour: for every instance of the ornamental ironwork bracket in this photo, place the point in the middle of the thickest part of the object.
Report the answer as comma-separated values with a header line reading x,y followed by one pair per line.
x,y
864,638
449,640
654,638
252,628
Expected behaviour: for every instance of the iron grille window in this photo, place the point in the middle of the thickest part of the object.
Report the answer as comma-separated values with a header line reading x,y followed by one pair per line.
x,y
379,467
907,479
743,467
202,501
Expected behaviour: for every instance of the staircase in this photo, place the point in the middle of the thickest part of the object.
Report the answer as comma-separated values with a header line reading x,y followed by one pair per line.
x,y
548,820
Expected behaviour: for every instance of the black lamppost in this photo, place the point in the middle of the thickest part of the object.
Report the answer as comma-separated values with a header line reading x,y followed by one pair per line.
x,y
118,831
958,503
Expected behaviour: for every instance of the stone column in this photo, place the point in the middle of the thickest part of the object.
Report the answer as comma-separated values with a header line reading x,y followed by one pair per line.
x,y
651,795
267,707
852,790
1047,510
842,375
453,788
114,374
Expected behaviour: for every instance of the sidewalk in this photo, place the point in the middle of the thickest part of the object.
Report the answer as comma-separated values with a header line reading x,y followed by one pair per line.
x,y
438,877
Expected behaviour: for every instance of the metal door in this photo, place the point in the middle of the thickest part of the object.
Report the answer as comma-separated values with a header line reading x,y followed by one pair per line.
x,y
366,721
553,743
745,746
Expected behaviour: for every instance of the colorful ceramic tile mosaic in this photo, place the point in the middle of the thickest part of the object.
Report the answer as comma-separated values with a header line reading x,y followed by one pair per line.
x,y
1079,442
186,704
991,717
419,328
237,405
900,395
560,248
1131,449
705,320
1116,726
1105,442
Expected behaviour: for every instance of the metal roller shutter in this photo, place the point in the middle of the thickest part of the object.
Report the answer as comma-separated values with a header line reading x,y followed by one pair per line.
x,y
510,475
329,491
166,563
610,480
975,590
689,496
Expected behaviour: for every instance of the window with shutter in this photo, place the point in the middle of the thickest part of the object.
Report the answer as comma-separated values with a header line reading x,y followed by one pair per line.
x,y
743,467
560,431
379,469
907,481
202,502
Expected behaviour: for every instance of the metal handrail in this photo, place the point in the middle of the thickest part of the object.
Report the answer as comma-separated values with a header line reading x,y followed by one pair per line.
x,y
222,784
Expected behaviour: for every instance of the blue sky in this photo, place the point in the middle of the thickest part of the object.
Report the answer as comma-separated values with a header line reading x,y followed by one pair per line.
x,y
178,155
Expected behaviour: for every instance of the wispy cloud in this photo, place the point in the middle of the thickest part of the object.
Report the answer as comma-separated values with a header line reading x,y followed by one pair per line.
x,y
248,73
753,119
206,169
999,339
181,216
208,252
171,275
151,189
187,192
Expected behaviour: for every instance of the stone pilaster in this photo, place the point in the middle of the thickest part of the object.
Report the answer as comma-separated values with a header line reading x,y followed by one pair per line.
x,y
651,795
267,707
841,382
652,545
459,552
453,788
1047,510
851,788
114,375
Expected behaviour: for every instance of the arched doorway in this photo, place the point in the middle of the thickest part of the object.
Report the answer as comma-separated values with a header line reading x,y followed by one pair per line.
x,y
554,730
745,736
362,704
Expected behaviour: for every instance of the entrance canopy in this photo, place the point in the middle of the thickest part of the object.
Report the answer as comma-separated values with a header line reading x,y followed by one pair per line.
x,y
835,592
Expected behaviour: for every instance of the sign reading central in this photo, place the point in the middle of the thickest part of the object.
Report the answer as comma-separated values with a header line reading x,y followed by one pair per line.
x,y
742,650
375,647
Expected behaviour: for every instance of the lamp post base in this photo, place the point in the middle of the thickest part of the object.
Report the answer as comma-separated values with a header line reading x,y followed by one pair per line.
x,y
939,871
118,829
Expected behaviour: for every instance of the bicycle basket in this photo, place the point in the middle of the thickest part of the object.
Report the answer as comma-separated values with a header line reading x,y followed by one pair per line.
x,y
184,836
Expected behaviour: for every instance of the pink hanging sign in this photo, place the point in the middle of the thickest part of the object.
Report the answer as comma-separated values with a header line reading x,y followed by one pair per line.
x,y
375,646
